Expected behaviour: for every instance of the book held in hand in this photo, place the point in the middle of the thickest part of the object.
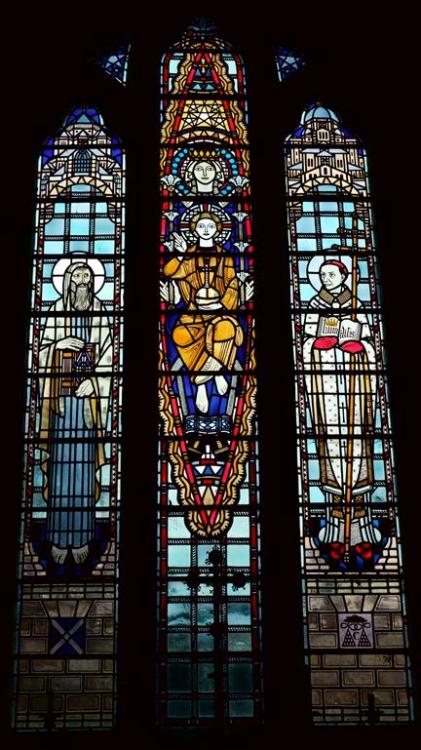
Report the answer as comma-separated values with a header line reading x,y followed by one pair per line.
x,y
344,330
74,368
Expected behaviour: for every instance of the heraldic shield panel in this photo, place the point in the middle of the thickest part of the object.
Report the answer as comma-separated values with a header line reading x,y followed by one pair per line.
x,y
66,636
208,468
354,609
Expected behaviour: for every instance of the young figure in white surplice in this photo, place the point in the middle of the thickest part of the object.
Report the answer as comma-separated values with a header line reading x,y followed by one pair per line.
x,y
331,339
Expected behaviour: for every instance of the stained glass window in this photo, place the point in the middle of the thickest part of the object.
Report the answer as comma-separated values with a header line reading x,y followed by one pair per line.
x,y
287,63
117,64
68,570
209,617
354,606
209,672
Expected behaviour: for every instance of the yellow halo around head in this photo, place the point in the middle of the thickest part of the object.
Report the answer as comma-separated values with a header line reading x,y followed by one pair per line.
x,y
62,265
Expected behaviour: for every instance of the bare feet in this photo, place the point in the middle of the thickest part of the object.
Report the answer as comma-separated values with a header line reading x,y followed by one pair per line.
x,y
80,554
59,555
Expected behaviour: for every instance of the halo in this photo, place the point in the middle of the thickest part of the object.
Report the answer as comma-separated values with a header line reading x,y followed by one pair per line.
x,y
210,208
62,265
313,268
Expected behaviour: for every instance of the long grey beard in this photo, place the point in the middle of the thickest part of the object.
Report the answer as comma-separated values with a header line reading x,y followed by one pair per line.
x,y
81,297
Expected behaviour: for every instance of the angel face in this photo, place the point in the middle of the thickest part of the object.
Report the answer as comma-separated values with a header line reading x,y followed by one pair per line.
x,y
204,173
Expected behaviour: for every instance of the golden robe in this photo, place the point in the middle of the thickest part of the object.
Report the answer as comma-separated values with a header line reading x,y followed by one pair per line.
x,y
199,335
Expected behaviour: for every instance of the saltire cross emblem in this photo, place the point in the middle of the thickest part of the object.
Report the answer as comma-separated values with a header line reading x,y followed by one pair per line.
x,y
67,636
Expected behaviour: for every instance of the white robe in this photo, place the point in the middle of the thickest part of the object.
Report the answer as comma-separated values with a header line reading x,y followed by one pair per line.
x,y
327,379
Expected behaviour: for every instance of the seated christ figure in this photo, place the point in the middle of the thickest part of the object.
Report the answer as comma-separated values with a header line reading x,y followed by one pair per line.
x,y
208,335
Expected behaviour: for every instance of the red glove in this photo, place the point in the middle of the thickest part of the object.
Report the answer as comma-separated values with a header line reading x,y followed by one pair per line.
x,y
353,347
325,342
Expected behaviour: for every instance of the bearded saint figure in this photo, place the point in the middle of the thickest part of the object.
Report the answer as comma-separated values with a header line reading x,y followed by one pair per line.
x,y
76,347
331,338
207,337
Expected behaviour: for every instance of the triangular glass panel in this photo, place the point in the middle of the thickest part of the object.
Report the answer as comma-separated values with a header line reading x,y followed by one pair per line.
x,y
288,62
117,63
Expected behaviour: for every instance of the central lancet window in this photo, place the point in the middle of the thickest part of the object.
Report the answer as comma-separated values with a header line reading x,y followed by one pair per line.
x,y
209,616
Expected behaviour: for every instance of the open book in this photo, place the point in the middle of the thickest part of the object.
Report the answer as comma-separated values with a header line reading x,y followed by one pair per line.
x,y
344,330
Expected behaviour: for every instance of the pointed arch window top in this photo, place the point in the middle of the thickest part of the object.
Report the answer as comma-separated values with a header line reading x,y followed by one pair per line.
x,y
84,115
80,128
204,26
202,63
203,33
203,30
